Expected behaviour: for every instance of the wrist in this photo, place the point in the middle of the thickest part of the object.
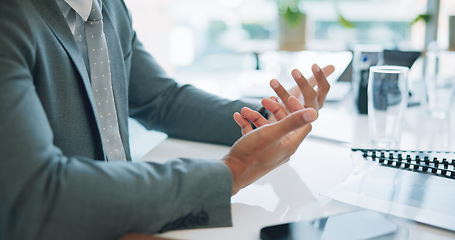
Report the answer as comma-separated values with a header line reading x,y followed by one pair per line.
x,y
237,169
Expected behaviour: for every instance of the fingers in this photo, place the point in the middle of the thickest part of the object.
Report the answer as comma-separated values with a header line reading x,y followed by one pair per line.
x,y
275,108
243,123
293,122
323,85
308,92
259,152
313,91
327,70
280,91
274,132
311,97
294,104
256,118
247,115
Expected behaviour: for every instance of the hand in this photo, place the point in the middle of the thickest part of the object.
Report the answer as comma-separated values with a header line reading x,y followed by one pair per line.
x,y
311,93
259,152
267,147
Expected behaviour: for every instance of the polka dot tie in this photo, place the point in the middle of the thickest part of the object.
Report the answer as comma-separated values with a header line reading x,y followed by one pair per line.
x,y
100,74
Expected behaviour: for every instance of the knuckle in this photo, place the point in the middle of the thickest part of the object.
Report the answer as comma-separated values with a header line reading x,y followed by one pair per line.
x,y
310,127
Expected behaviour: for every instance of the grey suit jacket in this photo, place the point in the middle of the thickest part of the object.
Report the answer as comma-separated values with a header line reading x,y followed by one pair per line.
x,y
50,185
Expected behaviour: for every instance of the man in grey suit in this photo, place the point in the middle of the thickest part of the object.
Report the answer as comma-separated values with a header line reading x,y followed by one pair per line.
x,y
51,131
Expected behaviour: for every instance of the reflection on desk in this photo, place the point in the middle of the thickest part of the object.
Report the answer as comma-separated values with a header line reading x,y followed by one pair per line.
x,y
291,192
282,195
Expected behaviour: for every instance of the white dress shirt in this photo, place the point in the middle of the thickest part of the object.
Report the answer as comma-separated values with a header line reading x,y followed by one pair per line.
x,y
76,12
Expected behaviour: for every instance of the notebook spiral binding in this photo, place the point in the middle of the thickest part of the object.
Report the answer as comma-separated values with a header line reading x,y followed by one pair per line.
x,y
434,162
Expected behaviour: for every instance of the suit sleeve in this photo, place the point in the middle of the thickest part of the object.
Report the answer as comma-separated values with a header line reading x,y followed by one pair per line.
x,y
47,195
182,111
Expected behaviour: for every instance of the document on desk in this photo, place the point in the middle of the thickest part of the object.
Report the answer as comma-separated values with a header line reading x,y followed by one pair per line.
x,y
175,148
422,197
280,65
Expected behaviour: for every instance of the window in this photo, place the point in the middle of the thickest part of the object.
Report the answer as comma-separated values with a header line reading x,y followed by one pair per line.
x,y
201,36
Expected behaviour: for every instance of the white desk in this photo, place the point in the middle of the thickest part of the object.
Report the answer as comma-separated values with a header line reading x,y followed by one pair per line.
x,y
291,192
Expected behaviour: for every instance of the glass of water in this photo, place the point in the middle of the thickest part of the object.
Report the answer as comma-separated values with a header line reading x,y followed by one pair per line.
x,y
440,82
387,103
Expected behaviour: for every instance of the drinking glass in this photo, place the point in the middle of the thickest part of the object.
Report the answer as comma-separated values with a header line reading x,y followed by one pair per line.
x,y
387,103
440,82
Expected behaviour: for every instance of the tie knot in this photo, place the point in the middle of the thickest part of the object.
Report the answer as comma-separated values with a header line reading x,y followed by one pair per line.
x,y
95,13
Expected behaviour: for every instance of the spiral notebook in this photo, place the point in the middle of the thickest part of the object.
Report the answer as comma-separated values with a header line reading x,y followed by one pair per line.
x,y
417,185
433,162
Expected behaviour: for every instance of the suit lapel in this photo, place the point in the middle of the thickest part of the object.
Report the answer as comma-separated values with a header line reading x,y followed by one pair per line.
x,y
51,13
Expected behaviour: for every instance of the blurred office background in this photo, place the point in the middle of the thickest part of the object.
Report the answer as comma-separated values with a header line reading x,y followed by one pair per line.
x,y
196,38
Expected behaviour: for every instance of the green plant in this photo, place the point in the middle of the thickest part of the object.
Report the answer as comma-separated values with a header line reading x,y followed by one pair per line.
x,y
293,14
425,17
341,19
290,11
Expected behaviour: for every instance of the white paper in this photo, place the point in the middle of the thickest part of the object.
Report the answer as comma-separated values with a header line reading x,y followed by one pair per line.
x,y
422,197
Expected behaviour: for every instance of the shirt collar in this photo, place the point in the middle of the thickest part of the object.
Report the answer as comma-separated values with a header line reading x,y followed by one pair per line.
x,y
64,7
81,7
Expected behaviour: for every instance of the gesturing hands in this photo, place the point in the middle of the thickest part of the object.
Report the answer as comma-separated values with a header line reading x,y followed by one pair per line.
x,y
310,93
256,154
261,150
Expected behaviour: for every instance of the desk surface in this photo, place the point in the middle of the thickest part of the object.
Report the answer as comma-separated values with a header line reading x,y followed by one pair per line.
x,y
291,192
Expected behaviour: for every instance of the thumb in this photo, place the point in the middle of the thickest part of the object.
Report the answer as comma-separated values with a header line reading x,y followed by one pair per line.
x,y
271,133
292,122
